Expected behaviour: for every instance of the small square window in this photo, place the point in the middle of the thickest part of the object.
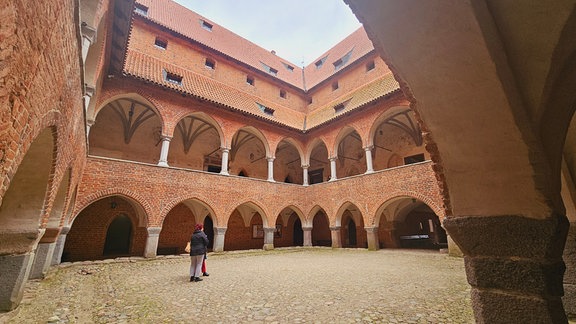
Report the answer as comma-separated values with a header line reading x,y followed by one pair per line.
x,y
210,63
161,43
370,66
250,80
310,100
206,25
283,94
334,85
273,71
339,107
267,110
141,9
288,67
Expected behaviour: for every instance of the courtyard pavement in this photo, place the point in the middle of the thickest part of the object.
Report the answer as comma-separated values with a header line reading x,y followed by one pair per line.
x,y
300,285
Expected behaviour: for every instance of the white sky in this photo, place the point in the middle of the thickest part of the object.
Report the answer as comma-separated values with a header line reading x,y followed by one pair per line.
x,y
298,30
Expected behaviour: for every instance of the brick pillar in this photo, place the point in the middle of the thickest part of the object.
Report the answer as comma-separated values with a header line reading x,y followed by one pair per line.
x,y
372,238
307,236
15,267
152,242
335,234
44,253
269,238
219,234
59,248
514,265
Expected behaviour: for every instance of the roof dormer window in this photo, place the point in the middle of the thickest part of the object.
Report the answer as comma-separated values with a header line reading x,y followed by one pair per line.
x,y
141,9
267,110
320,62
288,67
269,69
206,25
339,63
161,43
172,77
370,66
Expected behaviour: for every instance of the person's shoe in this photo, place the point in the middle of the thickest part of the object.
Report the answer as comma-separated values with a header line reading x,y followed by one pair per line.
x,y
197,279
191,279
205,274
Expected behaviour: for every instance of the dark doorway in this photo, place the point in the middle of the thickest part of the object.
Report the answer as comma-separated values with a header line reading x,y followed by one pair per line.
x,y
351,233
209,230
298,233
118,236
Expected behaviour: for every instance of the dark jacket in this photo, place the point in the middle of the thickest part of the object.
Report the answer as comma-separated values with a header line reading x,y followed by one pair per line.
x,y
198,243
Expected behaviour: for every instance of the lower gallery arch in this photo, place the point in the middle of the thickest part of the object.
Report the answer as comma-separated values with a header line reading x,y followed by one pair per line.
x,y
20,215
352,232
288,229
321,235
178,226
107,228
407,222
245,228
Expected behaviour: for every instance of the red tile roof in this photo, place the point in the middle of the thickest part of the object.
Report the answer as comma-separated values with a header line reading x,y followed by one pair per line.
x,y
151,69
177,18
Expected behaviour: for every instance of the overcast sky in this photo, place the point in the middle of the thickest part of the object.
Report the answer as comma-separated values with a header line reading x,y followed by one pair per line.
x,y
298,30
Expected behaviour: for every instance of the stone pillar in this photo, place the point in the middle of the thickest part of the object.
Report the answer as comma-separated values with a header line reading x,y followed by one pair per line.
x,y
514,266
59,249
269,238
372,238
219,235
333,169
15,267
164,151
305,174
88,93
369,166
335,234
224,169
89,124
152,242
44,253
307,236
270,169
88,37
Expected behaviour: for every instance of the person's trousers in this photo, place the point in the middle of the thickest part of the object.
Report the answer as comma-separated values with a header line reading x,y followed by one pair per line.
x,y
196,265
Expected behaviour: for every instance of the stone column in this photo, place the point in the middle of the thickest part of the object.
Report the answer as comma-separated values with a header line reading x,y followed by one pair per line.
x,y
514,266
305,174
307,236
164,151
224,169
59,249
88,37
269,238
369,166
44,253
89,124
152,242
333,169
15,267
219,235
270,169
335,234
88,93
372,238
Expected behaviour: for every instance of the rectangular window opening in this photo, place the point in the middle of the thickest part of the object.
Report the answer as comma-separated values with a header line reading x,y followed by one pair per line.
x,y
370,66
161,43
414,159
250,80
210,63
339,107
267,110
141,9
335,85
172,77
283,94
206,25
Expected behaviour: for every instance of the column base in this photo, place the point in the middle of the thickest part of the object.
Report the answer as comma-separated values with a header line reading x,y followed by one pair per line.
x,y
268,247
42,260
15,270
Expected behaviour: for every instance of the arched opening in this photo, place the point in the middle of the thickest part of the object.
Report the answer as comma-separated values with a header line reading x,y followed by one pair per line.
x,y
195,145
288,229
298,234
88,235
352,232
321,235
319,170
351,240
127,129
209,230
248,154
118,237
351,156
245,229
287,164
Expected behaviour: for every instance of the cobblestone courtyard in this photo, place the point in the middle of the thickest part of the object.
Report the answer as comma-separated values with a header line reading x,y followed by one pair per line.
x,y
282,286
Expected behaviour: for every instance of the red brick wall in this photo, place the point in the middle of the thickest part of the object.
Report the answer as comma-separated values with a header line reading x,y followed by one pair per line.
x,y
176,231
239,237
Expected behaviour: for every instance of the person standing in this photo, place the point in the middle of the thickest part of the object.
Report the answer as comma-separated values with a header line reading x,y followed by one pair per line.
x,y
198,248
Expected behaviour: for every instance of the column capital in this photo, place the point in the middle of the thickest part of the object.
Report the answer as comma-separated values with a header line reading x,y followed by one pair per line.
x,y
368,147
154,230
90,122
165,138
269,229
305,166
88,32
89,90
371,229
225,149
306,228
220,230
64,230
332,158
335,228
270,158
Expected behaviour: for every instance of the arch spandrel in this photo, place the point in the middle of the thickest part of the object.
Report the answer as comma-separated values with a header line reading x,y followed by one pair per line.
x,y
200,206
